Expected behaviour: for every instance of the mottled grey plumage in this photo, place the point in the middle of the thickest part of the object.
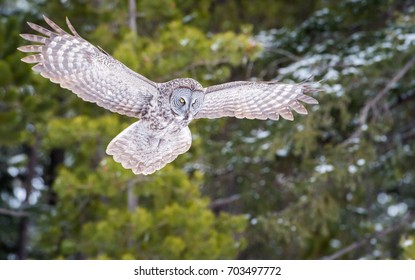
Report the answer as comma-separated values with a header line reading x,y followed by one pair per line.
x,y
164,109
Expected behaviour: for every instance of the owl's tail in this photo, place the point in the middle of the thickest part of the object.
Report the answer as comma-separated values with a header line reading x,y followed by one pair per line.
x,y
144,150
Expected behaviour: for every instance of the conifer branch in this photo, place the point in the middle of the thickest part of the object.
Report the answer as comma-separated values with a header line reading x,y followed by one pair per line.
x,y
373,102
224,201
13,213
407,220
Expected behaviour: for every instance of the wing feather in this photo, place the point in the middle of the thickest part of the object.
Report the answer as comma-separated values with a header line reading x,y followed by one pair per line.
x,y
256,100
92,74
33,38
71,28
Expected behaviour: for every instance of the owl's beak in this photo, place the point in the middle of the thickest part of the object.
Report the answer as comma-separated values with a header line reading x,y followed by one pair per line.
x,y
188,116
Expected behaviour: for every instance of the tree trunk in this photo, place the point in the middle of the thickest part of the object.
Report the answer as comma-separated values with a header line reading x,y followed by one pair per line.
x,y
22,240
56,158
132,16
27,183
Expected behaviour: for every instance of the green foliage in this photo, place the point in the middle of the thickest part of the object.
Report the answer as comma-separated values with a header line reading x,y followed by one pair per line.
x,y
181,50
247,188
337,191
408,246
171,221
86,205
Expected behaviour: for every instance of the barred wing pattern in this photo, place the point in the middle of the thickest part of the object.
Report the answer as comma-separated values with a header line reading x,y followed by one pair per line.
x,y
256,100
92,74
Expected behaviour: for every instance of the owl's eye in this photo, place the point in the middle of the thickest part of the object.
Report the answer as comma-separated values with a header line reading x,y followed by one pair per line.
x,y
182,101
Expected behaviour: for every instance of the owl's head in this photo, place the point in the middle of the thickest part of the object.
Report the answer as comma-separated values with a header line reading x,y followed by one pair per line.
x,y
186,102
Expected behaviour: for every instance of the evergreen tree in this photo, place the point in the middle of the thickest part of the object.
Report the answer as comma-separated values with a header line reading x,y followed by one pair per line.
x,y
338,183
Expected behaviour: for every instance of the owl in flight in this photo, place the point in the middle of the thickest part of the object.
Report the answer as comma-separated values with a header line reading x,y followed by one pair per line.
x,y
164,110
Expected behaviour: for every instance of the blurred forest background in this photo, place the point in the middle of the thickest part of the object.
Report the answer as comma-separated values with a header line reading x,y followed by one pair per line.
x,y
338,183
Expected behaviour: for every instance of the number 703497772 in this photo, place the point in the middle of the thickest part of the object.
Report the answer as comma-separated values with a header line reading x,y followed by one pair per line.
x,y
254,270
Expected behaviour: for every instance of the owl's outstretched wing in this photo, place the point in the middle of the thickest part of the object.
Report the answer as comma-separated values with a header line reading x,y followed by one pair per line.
x,y
91,73
255,100
145,150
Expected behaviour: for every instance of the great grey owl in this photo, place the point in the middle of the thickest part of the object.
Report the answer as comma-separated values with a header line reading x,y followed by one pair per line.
x,y
164,109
